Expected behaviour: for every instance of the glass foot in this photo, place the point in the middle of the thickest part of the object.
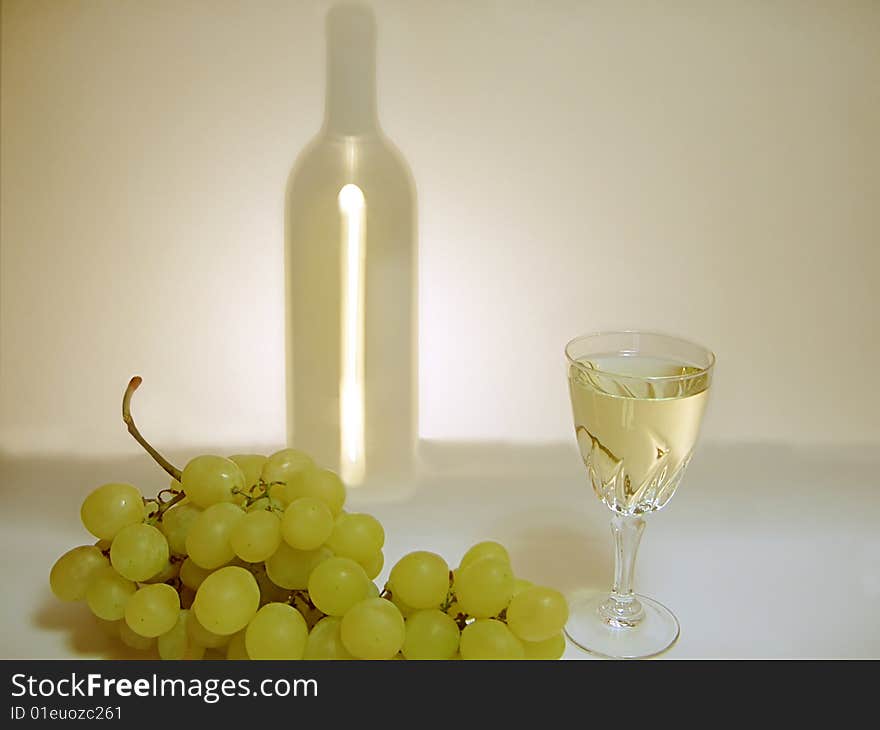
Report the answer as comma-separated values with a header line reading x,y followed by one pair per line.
x,y
655,633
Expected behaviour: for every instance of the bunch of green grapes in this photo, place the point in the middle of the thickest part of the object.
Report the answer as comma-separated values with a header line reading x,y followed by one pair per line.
x,y
478,611
228,551
253,557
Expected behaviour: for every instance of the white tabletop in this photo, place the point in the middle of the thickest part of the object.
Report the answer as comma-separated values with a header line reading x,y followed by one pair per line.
x,y
765,551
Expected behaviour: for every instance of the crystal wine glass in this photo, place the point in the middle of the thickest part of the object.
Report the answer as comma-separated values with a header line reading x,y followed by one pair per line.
x,y
638,400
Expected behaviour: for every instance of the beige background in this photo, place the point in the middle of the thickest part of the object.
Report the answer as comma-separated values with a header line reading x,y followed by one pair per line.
x,y
706,168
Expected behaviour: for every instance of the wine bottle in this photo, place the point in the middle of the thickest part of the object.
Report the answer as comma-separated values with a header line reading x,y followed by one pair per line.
x,y
351,277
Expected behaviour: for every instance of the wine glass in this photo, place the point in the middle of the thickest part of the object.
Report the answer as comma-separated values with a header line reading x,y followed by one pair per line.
x,y
638,400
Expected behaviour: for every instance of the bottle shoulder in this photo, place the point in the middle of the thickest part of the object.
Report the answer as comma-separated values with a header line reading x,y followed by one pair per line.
x,y
334,160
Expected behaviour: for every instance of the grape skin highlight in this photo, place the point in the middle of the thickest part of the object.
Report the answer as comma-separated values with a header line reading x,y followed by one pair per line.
x,y
111,507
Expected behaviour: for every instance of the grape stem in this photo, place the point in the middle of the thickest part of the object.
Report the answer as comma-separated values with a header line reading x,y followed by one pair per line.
x,y
259,491
133,385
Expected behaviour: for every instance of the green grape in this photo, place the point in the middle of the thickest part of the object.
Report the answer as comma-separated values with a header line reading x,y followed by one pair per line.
x,y
210,480
134,640
256,536
139,552
421,579
227,600
537,613
430,634
108,592
486,549
307,523
251,466
71,573
373,590
520,584
321,484
373,629
289,568
192,575
484,587
285,465
208,541
325,640
111,507
356,536
489,639
405,609
236,650
153,610
337,584
200,636
373,565
176,643
278,631
175,525
552,648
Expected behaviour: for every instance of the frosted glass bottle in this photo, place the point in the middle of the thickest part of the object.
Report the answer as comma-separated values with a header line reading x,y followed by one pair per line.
x,y
352,278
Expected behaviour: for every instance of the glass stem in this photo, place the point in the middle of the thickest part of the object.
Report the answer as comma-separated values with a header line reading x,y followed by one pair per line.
x,y
622,610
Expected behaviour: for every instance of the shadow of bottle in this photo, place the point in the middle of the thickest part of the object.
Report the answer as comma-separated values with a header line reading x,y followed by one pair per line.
x,y
351,150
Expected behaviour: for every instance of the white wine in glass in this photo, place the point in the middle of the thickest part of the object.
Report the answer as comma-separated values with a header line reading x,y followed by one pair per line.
x,y
638,401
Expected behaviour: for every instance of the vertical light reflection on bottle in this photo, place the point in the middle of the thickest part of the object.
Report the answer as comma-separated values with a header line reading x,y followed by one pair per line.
x,y
352,206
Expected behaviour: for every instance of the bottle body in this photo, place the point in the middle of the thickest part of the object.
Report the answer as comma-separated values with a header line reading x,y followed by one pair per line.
x,y
352,308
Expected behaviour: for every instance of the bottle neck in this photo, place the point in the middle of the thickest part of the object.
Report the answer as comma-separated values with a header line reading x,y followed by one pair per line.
x,y
350,102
